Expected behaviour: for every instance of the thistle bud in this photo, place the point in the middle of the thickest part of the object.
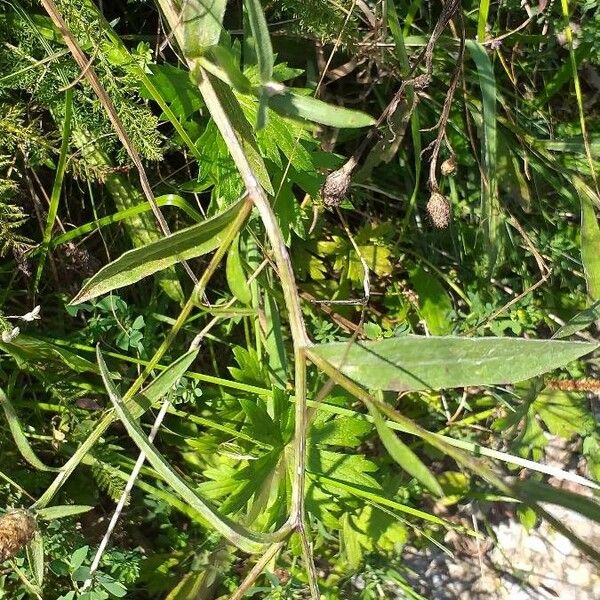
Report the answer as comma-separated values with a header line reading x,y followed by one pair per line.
x,y
335,187
448,166
438,209
17,528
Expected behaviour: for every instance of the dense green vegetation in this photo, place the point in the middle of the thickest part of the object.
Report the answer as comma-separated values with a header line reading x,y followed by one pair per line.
x,y
287,284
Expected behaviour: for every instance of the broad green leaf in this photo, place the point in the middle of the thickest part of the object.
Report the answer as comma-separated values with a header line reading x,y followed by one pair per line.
x,y
564,413
140,262
262,427
435,305
490,208
580,321
59,512
306,107
403,455
346,468
237,535
417,363
590,244
340,431
202,25
235,273
175,88
21,441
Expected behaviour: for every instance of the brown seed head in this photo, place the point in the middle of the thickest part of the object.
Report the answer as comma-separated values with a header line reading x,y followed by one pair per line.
x,y
335,187
438,209
17,528
448,166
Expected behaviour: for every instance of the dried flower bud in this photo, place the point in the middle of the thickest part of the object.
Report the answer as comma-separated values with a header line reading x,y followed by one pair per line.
x,y
438,209
335,187
448,166
17,528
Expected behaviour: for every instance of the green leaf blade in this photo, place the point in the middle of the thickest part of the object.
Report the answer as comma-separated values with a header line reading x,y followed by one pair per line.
x,y
403,455
138,263
289,104
416,363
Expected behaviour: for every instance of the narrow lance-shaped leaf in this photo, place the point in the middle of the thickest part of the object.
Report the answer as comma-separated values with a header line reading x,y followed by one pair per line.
x,y
59,512
262,40
289,104
35,558
590,241
489,185
418,363
580,321
402,454
21,441
237,535
140,262
264,54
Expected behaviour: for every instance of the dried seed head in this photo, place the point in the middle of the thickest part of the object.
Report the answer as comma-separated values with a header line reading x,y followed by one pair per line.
x,y
448,166
17,528
438,209
335,187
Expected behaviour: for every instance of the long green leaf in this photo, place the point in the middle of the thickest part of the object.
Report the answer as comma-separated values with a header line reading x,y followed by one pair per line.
x,y
590,244
35,558
417,363
19,437
60,512
580,321
403,455
262,40
120,215
490,208
540,492
289,104
140,262
237,535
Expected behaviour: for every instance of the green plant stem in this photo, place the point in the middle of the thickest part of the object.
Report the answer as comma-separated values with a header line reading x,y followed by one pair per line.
x,y
282,259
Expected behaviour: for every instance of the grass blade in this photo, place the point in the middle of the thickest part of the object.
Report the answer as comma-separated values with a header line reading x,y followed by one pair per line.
x,y
590,243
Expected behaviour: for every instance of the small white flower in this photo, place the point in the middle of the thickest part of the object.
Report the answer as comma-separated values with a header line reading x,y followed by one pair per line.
x,y
33,315
9,336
